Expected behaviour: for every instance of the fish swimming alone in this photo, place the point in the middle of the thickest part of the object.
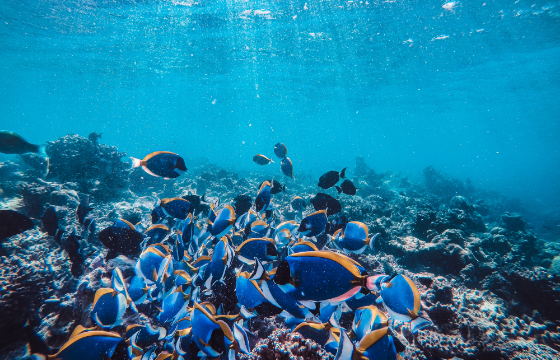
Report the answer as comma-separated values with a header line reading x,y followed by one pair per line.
x,y
261,159
93,137
331,178
161,163
12,143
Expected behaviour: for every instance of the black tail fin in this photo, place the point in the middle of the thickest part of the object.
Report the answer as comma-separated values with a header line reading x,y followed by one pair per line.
x,y
343,173
338,189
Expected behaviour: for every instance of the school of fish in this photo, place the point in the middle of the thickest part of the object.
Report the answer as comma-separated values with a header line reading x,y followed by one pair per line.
x,y
209,273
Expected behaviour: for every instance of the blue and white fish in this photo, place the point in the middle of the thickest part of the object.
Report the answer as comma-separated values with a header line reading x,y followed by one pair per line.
x,y
225,218
353,237
263,197
108,308
161,163
401,298
313,224
322,276
87,344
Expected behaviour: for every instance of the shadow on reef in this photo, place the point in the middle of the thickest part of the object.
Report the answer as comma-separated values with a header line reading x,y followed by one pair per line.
x,y
487,281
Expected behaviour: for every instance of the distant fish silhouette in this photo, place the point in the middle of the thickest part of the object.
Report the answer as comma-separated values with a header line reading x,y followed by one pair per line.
x,y
12,143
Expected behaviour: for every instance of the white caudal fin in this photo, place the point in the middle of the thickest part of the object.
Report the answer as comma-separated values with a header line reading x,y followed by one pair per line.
x,y
135,162
373,239
419,323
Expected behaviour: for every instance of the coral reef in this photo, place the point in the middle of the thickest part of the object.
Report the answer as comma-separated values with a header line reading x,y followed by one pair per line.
x,y
488,282
96,168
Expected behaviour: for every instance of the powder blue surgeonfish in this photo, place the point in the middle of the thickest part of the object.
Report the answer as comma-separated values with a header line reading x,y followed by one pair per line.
x,y
322,276
108,307
366,320
377,345
155,234
402,300
277,297
322,334
249,293
162,164
85,344
298,204
205,323
302,246
150,262
313,224
225,218
221,259
259,248
261,159
172,304
280,150
353,238
263,197
178,208
287,167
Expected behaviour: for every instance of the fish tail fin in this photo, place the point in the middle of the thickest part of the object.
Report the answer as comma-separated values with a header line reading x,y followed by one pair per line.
x,y
343,173
271,160
372,241
374,282
135,162
419,323
338,189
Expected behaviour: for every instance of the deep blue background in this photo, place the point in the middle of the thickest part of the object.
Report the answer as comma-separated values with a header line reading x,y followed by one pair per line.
x,y
471,87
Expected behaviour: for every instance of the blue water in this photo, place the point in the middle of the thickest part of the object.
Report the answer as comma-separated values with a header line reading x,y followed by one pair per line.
x,y
470,87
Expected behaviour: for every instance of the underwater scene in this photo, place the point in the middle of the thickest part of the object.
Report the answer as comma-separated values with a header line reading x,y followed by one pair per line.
x,y
278,180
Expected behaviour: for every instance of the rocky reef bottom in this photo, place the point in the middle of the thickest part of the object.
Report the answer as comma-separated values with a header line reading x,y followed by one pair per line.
x,y
487,281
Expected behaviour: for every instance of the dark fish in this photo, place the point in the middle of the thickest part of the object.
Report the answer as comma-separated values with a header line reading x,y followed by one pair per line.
x,y
280,150
242,203
261,159
12,143
121,238
330,178
347,187
83,209
93,137
195,201
72,247
323,201
298,204
287,167
161,163
276,186
40,163
158,215
13,223
50,221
